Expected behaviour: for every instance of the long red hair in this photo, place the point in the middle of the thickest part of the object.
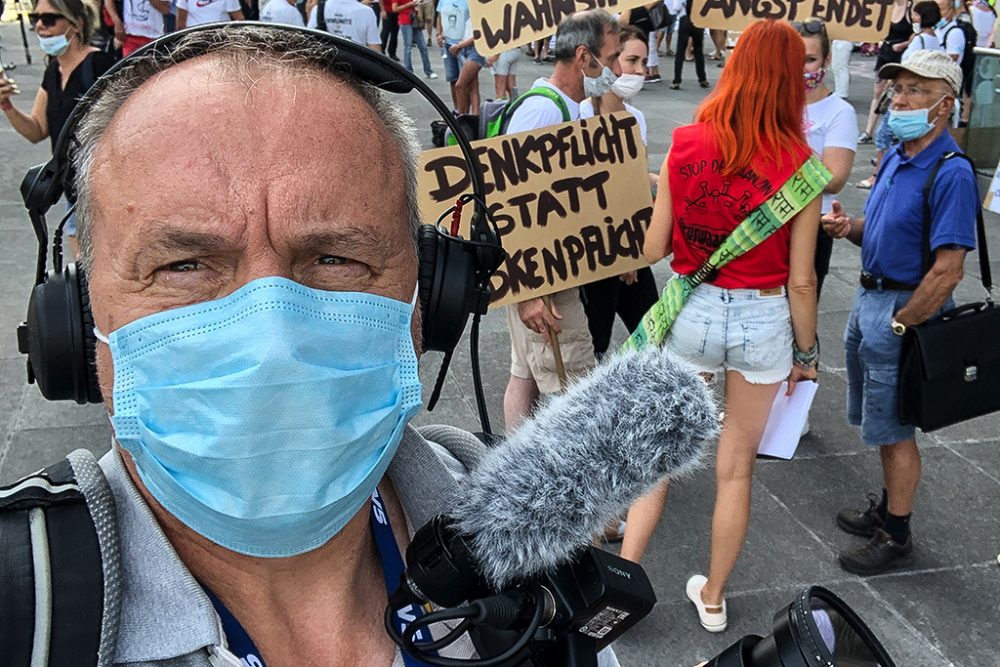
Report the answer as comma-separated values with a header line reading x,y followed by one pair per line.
x,y
757,109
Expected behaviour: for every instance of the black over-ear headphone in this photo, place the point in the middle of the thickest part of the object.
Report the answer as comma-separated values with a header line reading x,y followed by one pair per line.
x,y
454,272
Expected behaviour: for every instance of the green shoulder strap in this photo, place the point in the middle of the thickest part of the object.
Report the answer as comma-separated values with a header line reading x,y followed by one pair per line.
x,y
500,125
802,187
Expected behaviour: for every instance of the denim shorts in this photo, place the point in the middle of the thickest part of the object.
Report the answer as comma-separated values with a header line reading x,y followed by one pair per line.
x,y
873,353
452,64
470,53
744,330
884,138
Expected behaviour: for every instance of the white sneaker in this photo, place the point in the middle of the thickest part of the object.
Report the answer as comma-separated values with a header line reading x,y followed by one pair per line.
x,y
432,75
712,618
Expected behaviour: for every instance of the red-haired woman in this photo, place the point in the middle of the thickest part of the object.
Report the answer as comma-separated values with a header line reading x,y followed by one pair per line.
x,y
755,319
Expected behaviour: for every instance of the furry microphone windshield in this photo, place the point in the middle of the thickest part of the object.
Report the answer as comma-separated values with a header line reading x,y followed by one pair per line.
x,y
583,458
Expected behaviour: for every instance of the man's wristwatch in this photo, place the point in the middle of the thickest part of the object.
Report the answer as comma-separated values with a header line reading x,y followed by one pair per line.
x,y
898,328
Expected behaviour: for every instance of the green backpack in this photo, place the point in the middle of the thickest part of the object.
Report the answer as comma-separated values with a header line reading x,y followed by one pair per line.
x,y
497,124
494,115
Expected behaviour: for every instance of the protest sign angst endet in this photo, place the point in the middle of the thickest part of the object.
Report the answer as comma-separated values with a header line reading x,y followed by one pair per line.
x,y
571,202
851,20
500,25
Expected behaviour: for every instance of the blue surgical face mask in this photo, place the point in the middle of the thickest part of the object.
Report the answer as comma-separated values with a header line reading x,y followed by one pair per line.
x,y
265,419
911,124
940,24
54,46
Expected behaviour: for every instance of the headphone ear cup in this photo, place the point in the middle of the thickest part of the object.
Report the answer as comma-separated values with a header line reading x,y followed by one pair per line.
x,y
427,251
42,186
60,338
447,284
89,340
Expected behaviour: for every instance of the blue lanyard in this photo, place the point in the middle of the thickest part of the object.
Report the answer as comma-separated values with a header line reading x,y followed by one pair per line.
x,y
393,567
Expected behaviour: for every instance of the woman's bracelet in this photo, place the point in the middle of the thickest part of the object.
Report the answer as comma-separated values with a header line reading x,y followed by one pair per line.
x,y
806,359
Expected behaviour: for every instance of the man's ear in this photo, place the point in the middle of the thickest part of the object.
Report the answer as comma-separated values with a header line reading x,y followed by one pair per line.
x,y
947,107
582,56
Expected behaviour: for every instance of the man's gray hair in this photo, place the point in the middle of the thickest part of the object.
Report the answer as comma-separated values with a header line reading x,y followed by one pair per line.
x,y
585,28
245,49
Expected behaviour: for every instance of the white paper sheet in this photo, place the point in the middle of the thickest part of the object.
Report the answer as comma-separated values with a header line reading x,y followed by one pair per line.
x,y
788,417
992,202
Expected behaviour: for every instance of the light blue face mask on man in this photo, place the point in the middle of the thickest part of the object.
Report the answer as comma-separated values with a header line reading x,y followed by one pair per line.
x,y
264,420
912,123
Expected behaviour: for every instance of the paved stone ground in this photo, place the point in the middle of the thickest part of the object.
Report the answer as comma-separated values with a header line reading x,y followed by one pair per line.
x,y
940,613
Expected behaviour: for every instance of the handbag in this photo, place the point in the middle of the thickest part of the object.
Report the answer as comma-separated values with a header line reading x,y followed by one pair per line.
x,y
659,17
950,366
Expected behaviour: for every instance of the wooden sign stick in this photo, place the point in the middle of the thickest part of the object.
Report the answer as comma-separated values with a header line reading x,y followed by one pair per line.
x,y
556,351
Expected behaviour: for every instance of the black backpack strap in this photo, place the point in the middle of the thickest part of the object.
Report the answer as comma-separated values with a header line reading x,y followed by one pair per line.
x,y
59,564
927,259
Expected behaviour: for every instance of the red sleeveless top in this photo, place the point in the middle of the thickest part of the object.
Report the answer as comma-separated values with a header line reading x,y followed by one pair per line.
x,y
708,206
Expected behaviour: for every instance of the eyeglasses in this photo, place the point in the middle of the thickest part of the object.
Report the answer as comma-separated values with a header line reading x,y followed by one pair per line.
x,y
810,27
910,91
48,19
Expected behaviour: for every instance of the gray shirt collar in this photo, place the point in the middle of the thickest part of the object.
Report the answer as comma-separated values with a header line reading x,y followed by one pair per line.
x,y
165,613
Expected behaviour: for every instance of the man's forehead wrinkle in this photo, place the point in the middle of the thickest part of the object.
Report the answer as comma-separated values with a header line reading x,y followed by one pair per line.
x,y
163,131
357,236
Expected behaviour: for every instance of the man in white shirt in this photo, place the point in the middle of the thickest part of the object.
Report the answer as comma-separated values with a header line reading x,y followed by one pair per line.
x,y
196,12
587,48
950,36
282,11
351,20
452,16
141,24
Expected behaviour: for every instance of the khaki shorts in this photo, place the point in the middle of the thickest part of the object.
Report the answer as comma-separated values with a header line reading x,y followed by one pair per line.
x,y
532,359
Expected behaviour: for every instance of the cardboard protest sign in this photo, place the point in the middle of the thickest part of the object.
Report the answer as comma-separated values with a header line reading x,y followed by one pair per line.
x,y
571,201
499,25
851,20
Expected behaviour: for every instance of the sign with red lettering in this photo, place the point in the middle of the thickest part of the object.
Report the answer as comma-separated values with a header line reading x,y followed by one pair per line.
x,y
500,25
851,20
571,201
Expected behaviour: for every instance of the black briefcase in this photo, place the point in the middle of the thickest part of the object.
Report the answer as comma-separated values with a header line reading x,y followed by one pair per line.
x,y
950,369
950,366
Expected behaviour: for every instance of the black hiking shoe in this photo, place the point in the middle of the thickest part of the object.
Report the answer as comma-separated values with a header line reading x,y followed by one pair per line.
x,y
879,555
862,523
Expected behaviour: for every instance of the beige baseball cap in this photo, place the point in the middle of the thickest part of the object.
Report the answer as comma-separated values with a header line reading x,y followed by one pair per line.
x,y
929,65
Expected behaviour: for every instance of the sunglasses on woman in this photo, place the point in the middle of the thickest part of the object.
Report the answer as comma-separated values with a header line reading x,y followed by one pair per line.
x,y
48,19
810,27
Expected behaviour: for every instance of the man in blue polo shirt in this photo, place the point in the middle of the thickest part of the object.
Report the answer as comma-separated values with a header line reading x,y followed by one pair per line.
x,y
897,291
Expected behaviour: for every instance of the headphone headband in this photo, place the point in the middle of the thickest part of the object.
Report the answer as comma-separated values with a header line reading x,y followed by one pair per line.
x,y
453,273
363,64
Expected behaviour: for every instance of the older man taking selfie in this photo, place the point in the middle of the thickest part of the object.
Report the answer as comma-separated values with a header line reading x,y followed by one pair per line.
x,y
256,314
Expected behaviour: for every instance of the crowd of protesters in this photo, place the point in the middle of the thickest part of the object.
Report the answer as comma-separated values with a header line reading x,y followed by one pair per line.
x,y
753,324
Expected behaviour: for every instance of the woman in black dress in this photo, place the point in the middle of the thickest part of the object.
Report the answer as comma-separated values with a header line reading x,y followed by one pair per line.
x,y
64,29
900,32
